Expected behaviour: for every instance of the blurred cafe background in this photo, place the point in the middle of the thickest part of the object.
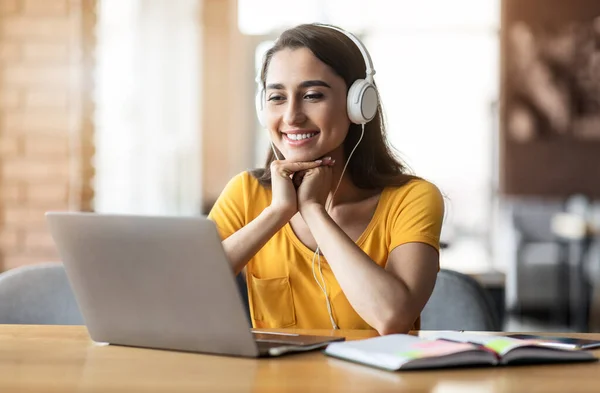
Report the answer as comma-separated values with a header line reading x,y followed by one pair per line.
x,y
147,107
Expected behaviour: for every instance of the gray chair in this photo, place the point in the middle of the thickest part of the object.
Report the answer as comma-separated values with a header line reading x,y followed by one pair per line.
x,y
38,294
459,302
542,260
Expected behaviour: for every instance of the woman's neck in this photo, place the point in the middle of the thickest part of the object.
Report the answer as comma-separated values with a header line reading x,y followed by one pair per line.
x,y
347,192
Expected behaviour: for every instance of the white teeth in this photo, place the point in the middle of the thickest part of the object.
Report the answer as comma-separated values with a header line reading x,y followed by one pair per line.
x,y
298,137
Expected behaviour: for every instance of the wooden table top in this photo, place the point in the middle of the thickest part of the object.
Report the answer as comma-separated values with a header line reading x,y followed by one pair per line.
x,y
64,359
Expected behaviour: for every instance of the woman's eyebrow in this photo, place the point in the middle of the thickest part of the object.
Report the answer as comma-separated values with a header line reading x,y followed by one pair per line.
x,y
310,83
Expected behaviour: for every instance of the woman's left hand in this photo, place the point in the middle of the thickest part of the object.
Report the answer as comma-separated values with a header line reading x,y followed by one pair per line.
x,y
314,185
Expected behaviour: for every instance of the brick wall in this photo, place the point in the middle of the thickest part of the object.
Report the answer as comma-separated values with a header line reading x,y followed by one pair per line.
x,y
45,121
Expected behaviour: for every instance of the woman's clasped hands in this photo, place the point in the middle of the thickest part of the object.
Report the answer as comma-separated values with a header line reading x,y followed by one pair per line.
x,y
298,185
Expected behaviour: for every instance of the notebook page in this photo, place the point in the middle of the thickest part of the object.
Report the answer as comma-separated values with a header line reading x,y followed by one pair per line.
x,y
392,351
499,344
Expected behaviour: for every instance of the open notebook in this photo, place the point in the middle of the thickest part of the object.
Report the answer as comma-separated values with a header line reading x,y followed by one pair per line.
x,y
449,349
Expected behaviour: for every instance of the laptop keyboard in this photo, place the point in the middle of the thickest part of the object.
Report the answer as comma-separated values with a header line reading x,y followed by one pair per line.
x,y
274,340
267,340
264,346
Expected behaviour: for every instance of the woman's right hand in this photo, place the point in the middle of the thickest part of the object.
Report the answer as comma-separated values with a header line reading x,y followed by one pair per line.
x,y
284,199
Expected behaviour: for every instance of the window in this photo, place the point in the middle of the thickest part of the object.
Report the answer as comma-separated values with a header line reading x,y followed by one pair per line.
x,y
438,84
147,103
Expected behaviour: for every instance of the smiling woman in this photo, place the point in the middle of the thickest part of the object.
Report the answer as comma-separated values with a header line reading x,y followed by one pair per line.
x,y
333,218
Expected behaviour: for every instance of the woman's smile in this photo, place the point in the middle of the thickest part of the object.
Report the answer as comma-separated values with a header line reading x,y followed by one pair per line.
x,y
297,138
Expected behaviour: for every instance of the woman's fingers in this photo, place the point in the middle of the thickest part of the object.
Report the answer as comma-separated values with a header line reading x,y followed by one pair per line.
x,y
328,161
286,169
285,173
301,166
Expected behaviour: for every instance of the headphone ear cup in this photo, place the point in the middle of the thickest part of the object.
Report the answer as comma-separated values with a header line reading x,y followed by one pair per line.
x,y
260,106
362,102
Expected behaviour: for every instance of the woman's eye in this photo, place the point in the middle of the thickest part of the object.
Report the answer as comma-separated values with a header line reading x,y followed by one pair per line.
x,y
313,96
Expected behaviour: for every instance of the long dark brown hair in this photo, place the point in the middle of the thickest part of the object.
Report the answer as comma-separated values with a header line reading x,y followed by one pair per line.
x,y
373,164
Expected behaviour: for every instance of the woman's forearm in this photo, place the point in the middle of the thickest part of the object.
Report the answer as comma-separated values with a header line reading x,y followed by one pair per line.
x,y
243,244
377,296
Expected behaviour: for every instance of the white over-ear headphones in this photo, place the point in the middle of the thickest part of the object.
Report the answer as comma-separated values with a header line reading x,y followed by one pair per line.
x,y
362,99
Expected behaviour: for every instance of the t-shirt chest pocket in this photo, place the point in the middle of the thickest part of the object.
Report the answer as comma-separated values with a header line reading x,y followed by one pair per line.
x,y
272,302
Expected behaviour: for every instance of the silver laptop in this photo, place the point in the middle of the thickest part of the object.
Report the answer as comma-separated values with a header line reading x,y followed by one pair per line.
x,y
161,282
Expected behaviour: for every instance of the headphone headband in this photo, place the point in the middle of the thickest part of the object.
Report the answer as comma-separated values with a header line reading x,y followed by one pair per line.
x,y
370,70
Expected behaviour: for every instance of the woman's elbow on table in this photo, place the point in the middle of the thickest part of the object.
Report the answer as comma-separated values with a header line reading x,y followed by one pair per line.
x,y
395,323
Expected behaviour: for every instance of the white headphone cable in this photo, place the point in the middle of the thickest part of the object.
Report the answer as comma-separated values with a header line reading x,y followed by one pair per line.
x,y
317,253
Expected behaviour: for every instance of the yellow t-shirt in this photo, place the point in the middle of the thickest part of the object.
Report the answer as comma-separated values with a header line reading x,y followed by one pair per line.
x,y
281,288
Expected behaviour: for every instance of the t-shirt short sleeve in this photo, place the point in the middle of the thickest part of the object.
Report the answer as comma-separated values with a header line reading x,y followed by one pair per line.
x,y
229,211
417,215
